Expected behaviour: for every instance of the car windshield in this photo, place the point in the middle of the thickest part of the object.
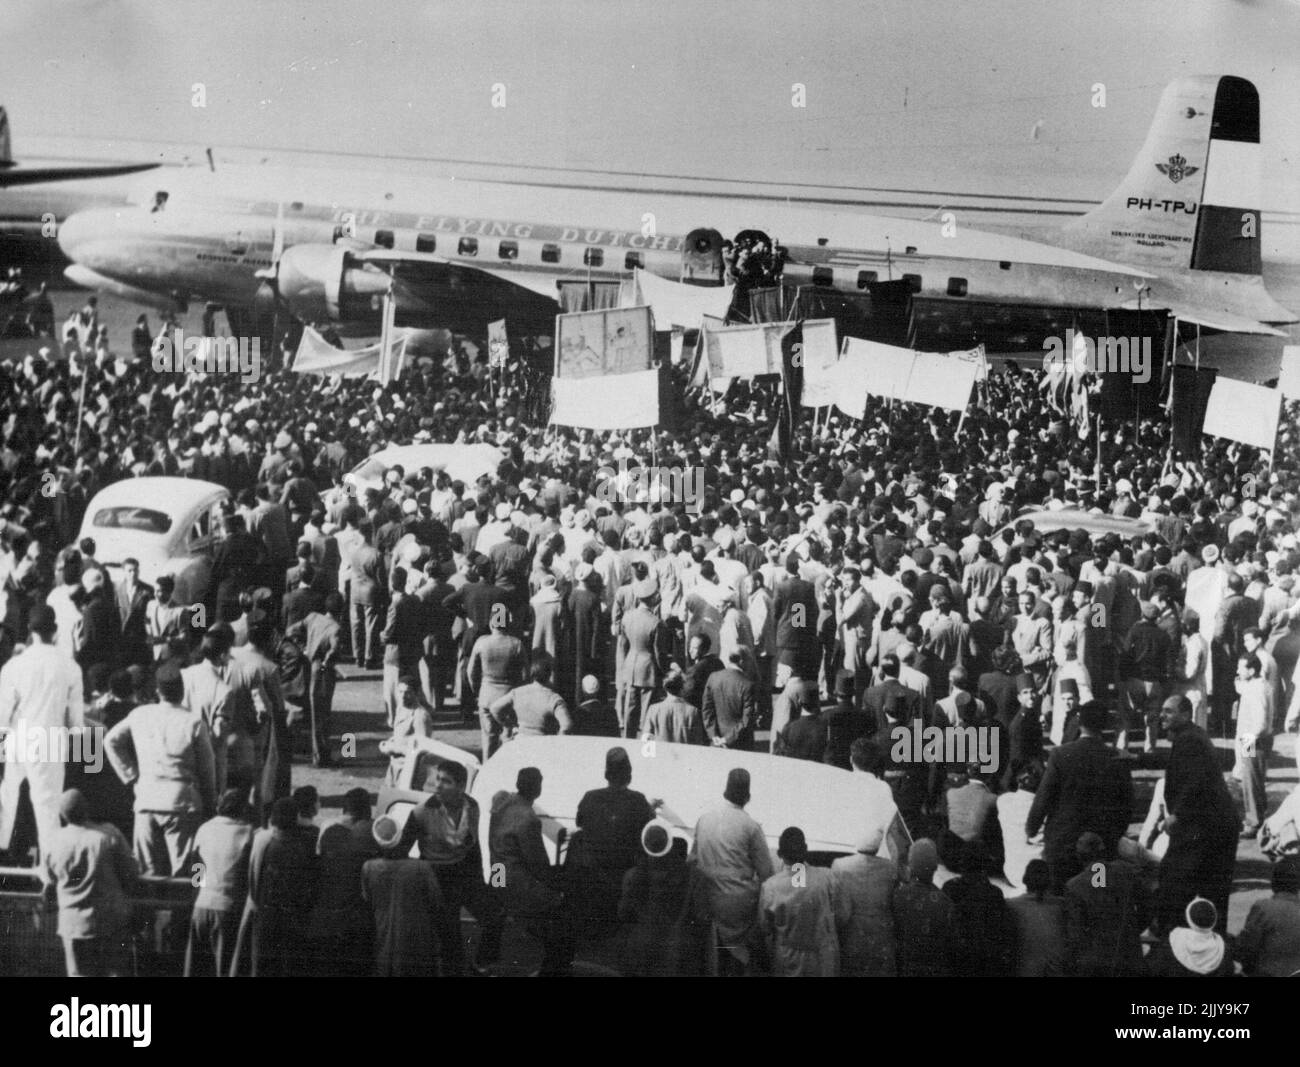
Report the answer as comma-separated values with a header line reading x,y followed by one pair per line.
x,y
145,520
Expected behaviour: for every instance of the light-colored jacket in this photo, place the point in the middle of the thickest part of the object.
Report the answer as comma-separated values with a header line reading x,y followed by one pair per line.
x,y
167,752
797,909
731,854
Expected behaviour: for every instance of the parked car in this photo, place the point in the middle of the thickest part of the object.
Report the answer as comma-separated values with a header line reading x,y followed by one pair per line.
x,y
169,524
1094,525
466,463
827,803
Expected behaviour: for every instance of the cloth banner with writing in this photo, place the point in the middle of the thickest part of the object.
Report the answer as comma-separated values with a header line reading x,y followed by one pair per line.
x,y
609,402
745,351
820,354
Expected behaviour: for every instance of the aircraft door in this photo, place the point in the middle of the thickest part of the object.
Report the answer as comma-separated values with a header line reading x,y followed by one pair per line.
x,y
702,257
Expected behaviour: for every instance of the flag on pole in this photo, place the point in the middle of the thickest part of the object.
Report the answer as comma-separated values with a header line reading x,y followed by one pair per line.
x,y
498,344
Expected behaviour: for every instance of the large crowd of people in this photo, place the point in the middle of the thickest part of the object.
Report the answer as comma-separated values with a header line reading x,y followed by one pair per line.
x,y
877,574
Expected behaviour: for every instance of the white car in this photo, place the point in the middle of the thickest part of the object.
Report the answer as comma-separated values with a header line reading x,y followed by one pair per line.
x,y
1094,525
465,463
828,804
169,524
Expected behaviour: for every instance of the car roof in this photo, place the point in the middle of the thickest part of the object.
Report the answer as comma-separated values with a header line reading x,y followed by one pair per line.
x,y
464,462
1074,519
173,496
830,805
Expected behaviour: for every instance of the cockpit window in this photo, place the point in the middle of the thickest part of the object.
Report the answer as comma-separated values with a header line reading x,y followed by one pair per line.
x,y
130,518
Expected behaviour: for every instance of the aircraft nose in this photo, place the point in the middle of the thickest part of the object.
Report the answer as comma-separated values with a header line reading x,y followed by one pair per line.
x,y
83,230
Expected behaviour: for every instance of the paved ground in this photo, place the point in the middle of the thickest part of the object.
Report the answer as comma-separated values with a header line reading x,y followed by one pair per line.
x,y
359,713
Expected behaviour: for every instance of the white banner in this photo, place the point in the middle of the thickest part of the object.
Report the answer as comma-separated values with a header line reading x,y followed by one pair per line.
x,y
1243,412
610,402
318,356
868,368
1288,384
744,351
600,343
681,305
975,355
498,344
821,352
941,381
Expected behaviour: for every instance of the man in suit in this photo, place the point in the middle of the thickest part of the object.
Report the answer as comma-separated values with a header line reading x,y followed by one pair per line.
x,y
440,653
165,751
319,634
1087,787
403,639
302,600
730,706
1237,613
585,638
133,598
269,522
673,719
101,629
647,654
293,576
700,664
1031,636
875,696
806,736
845,723
1200,819
367,605
794,603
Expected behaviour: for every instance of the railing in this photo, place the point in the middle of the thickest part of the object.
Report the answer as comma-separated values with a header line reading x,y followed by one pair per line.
x,y
29,941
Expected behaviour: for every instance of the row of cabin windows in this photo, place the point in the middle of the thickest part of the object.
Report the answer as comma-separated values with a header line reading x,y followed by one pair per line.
x,y
824,276
509,250
595,257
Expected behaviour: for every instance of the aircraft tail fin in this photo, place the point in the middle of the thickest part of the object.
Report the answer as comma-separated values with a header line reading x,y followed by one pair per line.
x,y
6,156
1191,200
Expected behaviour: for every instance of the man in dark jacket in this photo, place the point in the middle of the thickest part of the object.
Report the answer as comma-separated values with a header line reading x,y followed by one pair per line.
x,y
610,822
1145,663
805,737
794,604
730,706
701,664
1201,821
133,597
1107,906
875,698
845,723
368,600
101,629
1086,787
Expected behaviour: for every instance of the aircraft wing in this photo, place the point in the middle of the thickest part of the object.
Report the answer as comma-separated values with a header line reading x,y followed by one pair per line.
x,y
1213,319
541,284
37,175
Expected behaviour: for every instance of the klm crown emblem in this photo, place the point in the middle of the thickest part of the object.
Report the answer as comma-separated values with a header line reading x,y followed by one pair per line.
x,y
1176,169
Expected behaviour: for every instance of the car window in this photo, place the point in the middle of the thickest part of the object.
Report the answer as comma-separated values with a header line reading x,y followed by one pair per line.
x,y
423,779
132,518
201,529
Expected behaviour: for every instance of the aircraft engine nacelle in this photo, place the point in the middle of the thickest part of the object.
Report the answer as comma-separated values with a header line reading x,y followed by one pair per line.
x,y
322,283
